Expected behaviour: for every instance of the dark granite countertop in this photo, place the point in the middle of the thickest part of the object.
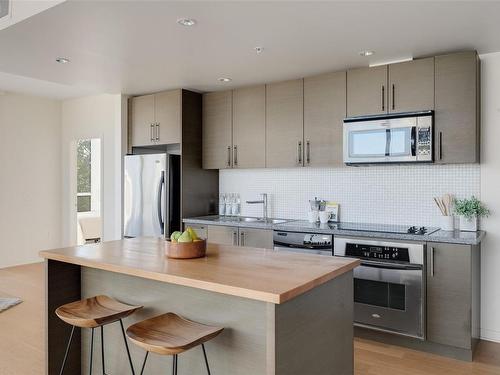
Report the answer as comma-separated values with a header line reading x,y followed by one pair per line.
x,y
457,237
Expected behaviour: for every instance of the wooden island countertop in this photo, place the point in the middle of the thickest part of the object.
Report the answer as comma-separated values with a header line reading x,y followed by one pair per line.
x,y
263,275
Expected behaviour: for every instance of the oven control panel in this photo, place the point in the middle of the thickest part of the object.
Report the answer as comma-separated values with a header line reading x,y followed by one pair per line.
x,y
388,253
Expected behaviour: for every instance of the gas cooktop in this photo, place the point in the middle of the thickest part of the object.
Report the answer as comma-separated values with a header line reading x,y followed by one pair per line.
x,y
386,228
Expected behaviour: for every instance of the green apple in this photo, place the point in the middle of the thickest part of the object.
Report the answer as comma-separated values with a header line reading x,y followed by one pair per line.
x,y
175,236
185,237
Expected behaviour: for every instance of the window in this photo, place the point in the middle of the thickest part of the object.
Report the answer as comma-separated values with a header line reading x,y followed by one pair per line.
x,y
84,175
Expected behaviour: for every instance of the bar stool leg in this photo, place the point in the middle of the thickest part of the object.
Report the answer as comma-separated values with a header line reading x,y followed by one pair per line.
x,y
67,350
126,346
206,360
174,365
91,363
144,363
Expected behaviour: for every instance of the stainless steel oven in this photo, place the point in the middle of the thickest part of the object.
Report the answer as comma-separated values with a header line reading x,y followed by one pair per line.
x,y
388,285
395,138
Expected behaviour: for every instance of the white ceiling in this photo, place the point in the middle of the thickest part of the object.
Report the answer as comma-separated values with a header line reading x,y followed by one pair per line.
x,y
136,47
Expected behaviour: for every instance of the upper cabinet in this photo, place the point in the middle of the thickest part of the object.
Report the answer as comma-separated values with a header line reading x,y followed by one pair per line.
x,y
156,118
401,87
217,130
142,118
249,127
457,108
324,112
367,91
285,124
299,123
411,86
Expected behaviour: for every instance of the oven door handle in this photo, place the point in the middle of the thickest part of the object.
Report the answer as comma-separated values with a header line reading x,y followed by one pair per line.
x,y
281,244
391,266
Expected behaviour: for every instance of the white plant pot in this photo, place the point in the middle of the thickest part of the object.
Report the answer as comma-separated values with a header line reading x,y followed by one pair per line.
x,y
468,225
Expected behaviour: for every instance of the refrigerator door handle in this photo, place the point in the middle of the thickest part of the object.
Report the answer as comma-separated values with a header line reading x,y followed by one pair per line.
x,y
161,186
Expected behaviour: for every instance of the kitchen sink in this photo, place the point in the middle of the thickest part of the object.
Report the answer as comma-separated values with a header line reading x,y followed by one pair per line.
x,y
261,220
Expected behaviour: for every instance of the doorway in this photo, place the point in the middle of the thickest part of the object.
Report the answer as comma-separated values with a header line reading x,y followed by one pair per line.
x,y
88,191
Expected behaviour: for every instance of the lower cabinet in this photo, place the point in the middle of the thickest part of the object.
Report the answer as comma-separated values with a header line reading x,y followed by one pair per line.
x,y
261,238
247,237
453,281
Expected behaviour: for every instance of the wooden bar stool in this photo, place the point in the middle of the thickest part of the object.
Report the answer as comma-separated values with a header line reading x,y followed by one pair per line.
x,y
170,334
92,313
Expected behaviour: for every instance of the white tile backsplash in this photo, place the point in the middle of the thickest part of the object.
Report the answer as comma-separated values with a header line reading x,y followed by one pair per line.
x,y
395,194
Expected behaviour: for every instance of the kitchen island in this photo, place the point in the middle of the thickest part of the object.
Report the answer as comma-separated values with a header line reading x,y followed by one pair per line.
x,y
283,313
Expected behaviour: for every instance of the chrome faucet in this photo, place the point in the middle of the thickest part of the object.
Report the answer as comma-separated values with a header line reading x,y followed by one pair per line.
x,y
264,205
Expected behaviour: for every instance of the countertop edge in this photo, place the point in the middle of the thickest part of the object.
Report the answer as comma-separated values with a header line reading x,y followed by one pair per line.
x,y
275,298
440,236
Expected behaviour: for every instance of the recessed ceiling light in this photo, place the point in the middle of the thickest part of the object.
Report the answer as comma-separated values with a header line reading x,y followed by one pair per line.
x,y
225,79
258,49
366,53
62,60
186,21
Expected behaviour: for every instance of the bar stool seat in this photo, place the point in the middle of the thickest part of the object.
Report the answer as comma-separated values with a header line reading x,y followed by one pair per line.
x,y
170,334
94,312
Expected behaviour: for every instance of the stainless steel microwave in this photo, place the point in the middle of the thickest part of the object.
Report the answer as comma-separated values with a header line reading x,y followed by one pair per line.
x,y
396,138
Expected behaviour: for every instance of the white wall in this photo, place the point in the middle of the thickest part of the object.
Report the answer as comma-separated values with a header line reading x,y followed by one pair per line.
x,y
30,177
490,194
101,117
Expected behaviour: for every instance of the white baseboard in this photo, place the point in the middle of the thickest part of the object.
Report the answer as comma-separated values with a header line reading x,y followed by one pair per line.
x,y
490,335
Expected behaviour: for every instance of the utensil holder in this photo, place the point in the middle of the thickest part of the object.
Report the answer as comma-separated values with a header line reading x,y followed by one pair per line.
x,y
447,222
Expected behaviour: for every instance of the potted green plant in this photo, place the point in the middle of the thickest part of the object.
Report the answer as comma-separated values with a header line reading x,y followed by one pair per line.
x,y
470,210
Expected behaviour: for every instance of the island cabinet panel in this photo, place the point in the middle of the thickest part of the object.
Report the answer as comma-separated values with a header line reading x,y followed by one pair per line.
x,y
411,85
457,122
222,235
168,119
142,120
324,112
367,92
285,124
249,127
217,130
449,294
260,238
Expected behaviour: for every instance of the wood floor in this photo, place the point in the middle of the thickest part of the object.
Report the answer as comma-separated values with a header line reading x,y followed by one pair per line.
x,y
22,339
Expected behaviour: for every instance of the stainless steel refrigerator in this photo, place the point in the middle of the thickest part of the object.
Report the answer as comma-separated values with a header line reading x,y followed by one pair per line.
x,y
151,195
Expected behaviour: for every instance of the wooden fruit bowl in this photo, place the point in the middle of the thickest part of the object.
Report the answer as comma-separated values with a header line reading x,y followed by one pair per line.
x,y
185,250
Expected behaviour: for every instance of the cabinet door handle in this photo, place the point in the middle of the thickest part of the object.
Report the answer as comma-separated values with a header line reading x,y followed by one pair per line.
x,y
440,145
299,150
235,238
151,131
393,91
242,239
431,265
157,131
228,156
383,98
235,154
308,152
